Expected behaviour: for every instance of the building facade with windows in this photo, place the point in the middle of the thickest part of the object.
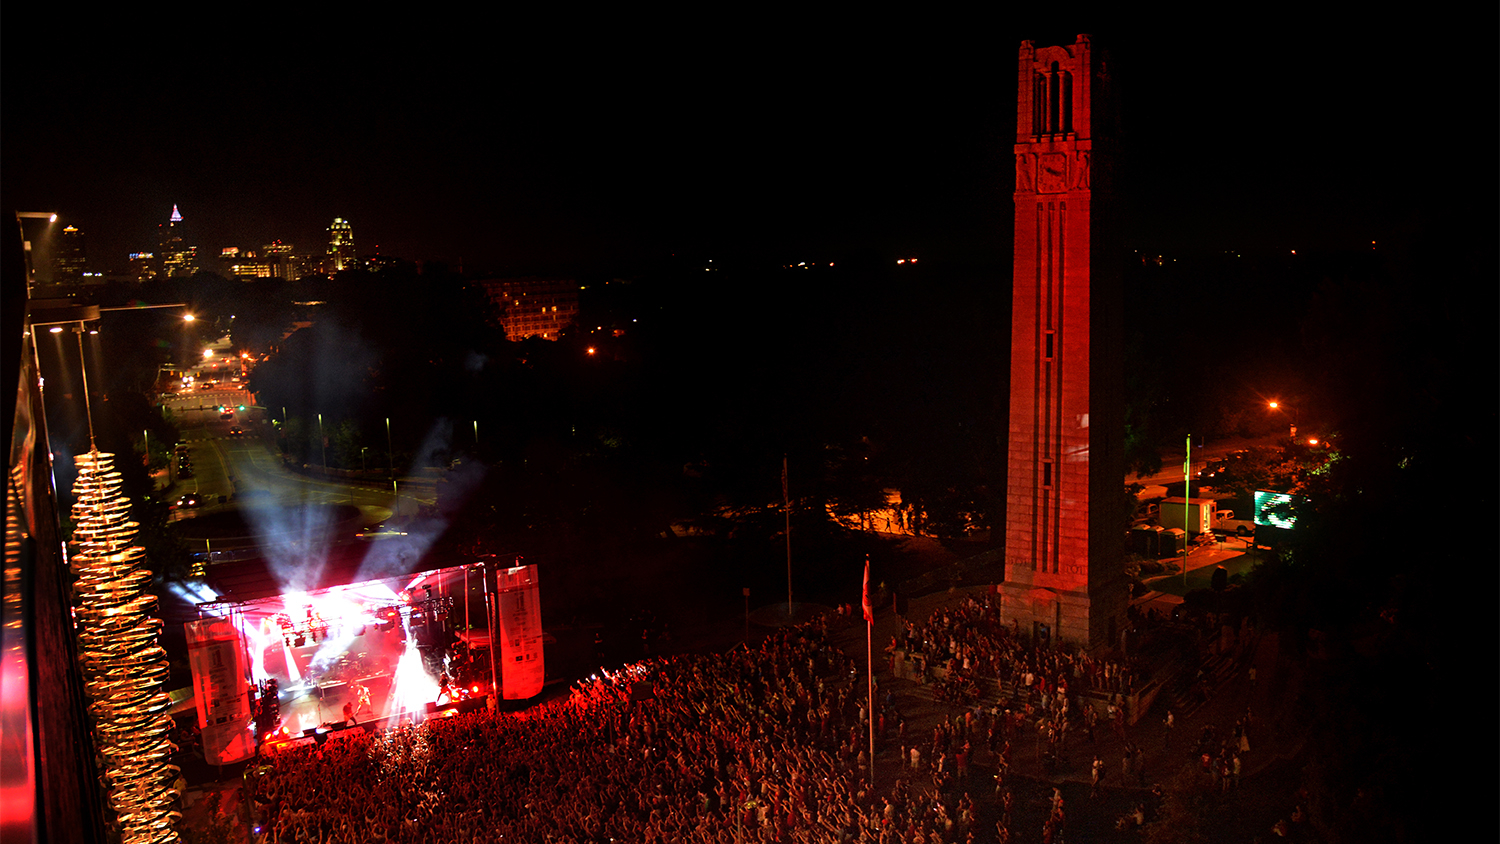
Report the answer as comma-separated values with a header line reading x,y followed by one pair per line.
x,y
532,307
70,258
177,259
341,254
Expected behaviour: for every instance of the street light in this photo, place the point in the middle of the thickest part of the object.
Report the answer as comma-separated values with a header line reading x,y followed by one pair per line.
x,y
51,218
1276,405
123,664
390,453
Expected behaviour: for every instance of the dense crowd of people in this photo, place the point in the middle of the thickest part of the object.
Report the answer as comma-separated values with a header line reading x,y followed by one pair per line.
x,y
757,744
764,744
971,641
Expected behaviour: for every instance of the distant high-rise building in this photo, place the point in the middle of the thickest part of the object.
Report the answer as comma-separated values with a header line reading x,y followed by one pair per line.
x,y
533,307
245,264
144,266
376,263
341,245
177,259
285,264
69,258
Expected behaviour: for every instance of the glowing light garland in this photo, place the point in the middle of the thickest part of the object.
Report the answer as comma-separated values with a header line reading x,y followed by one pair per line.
x,y
124,665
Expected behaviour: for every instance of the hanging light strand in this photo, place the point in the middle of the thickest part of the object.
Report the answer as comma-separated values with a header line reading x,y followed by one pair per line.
x,y
123,662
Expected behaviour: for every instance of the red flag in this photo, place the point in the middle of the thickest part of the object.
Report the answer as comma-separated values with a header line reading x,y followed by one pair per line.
x,y
786,500
869,610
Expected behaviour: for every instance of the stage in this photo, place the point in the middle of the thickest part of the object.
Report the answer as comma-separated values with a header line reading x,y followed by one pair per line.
x,y
379,651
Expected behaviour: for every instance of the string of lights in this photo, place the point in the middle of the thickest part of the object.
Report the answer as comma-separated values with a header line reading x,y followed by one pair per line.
x,y
124,665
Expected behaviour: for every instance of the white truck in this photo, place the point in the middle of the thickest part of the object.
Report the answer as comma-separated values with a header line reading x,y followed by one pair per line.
x,y
1225,522
1202,515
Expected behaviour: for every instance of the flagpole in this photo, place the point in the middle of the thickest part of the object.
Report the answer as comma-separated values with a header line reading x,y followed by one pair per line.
x,y
786,507
870,664
1187,506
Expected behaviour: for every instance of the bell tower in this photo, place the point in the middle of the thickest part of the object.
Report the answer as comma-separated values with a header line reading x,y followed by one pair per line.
x,y
1064,547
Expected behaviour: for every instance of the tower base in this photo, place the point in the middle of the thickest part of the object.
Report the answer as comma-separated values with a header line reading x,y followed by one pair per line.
x,y
1054,614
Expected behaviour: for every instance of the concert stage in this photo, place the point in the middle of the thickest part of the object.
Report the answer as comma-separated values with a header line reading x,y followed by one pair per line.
x,y
386,650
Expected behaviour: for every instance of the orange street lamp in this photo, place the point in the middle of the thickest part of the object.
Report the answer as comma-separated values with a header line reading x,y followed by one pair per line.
x,y
1276,405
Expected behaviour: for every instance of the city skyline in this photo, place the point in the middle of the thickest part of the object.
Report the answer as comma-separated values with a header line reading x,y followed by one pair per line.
x,y
821,148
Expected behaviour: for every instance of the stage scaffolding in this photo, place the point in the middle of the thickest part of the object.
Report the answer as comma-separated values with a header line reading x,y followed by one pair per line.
x,y
387,650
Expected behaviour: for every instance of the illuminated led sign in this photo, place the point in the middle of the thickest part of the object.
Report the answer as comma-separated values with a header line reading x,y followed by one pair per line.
x,y
1276,509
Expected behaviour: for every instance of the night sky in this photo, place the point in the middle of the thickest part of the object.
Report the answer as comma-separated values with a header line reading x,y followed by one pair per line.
x,y
521,145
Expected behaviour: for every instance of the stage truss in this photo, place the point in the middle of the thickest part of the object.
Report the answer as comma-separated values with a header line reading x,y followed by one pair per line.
x,y
387,650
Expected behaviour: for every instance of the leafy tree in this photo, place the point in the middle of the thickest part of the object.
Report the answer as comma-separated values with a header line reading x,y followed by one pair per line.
x,y
1395,349
344,444
1244,472
1143,395
262,315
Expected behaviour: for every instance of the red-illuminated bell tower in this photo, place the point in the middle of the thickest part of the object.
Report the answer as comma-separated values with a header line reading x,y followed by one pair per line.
x,y
1064,545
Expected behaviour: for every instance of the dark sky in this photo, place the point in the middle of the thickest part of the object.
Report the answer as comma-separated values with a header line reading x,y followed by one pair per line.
x,y
525,144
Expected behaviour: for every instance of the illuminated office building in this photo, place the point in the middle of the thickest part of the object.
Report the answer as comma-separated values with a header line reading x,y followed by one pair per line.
x,y
177,259
69,258
341,245
144,266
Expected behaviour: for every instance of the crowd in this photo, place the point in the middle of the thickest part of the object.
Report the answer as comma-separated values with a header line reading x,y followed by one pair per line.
x,y
971,641
761,744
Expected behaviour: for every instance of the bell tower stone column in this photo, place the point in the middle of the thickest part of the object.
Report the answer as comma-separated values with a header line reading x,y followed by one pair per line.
x,y
1064,541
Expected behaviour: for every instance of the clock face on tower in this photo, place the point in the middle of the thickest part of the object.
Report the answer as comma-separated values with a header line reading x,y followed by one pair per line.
x,y
1052,175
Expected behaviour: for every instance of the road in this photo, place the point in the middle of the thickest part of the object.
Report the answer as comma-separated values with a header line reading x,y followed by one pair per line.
x,y
1171,461
248,467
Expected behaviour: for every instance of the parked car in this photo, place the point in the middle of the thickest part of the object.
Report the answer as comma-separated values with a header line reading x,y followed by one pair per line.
x,y
225,556
1217,467
380,531
1146,512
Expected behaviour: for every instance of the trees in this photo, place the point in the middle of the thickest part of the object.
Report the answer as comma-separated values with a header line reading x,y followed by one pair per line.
x,y
1368,583
263,312
1283,468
